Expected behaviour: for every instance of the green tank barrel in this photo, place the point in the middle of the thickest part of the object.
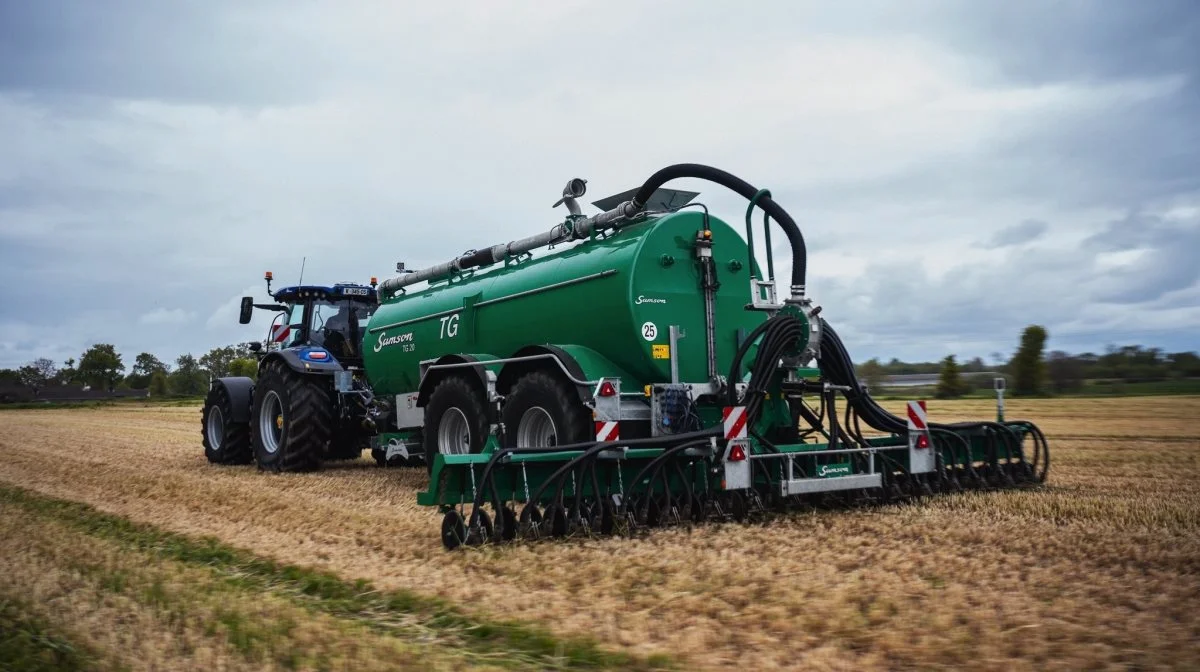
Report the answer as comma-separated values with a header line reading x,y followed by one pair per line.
x,y
617,294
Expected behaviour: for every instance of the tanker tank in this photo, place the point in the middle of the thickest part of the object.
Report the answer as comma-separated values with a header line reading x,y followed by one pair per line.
x,y
611,298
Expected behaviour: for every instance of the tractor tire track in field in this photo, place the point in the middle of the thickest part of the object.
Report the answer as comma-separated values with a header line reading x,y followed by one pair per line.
x,y
1097,568
199,603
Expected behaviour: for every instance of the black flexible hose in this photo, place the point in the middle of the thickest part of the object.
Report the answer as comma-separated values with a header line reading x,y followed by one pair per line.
x,y
660,459
589,448
747,191
736,366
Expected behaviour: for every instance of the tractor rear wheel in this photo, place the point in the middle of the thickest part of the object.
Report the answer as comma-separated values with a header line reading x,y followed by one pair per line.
x,y
225,441
291,419
543,410
456,420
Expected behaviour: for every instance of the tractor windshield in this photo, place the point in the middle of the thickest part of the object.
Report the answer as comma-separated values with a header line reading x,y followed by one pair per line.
x,y
338,326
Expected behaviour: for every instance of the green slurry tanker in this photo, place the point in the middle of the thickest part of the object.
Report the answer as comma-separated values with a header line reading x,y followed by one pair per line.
x,y
637,368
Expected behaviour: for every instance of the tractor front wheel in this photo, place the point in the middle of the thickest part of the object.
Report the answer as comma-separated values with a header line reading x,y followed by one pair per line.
x,y
290,421
225,441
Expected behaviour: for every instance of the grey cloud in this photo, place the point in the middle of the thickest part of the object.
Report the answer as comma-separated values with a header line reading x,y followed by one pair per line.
x,y
1167,261
1018,234
1038,41
211,51
160,156
1139,229
896,310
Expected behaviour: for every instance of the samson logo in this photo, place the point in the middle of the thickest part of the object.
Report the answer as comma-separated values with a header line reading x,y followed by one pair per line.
x,y
385,341
645,299
833,470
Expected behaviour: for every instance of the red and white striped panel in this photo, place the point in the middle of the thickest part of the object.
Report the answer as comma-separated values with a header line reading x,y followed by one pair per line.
x,y
279,332
734,418
917,416
607,430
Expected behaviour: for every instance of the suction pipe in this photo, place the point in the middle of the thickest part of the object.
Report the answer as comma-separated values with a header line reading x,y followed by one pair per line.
x,y
582,228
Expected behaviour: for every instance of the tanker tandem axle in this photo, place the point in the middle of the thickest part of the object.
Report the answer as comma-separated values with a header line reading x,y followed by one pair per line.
x,y
643,372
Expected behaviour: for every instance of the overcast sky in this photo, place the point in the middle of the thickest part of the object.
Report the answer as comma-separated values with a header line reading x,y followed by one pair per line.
x,y
960,169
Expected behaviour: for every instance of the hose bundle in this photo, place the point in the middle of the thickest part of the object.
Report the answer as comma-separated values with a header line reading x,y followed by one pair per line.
x,y
779,336
836,363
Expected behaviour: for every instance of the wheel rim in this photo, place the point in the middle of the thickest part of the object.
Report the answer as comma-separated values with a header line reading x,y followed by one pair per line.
x,y
216,427
454,433
270,422
536,428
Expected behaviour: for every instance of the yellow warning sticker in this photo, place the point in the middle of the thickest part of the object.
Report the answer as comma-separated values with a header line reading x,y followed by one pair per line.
x,y
661,351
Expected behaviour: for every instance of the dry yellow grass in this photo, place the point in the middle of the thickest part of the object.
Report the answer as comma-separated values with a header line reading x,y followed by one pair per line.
x,y
1102,567
139,612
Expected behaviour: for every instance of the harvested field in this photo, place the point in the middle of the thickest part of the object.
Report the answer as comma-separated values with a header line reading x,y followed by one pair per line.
x,y
1099,568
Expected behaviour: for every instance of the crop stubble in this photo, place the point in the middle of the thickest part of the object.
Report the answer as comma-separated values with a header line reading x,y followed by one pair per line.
x,y
1100,567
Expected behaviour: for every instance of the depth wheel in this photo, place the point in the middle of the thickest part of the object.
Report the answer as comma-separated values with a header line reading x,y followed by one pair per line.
x,y
225,441
531,526
479,528
455,420
543,410
454,533
291,420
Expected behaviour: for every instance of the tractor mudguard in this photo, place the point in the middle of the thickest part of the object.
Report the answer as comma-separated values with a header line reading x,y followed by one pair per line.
x,y
578,362
240,391
300,360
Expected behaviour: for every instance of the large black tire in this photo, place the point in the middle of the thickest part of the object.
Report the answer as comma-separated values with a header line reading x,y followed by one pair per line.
x,y
225,441
304,419
451,396
541,399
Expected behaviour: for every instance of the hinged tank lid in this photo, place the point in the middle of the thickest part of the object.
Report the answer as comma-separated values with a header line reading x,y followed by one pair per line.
x,y
661,199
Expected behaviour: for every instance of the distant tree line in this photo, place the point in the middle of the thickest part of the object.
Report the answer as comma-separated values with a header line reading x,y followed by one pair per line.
x,y
1029,370
102,367
1032,372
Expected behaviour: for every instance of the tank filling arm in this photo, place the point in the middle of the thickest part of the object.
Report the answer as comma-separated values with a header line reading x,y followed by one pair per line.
x,y
605,220
475,258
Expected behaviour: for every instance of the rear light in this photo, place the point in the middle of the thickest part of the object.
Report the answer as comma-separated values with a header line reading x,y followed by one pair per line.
x,y
607,389
922,441
737,454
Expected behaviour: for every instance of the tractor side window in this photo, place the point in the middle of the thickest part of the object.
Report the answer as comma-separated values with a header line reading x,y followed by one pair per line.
x,y
295,320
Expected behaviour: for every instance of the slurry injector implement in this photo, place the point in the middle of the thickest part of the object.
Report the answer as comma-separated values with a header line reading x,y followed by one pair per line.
x,y
642,373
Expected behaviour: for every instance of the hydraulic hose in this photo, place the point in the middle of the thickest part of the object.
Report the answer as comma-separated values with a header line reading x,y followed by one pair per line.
x,y
589,447
778,334
835,361
747,191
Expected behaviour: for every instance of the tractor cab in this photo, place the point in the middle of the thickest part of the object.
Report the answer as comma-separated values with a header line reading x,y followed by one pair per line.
x,y
331,318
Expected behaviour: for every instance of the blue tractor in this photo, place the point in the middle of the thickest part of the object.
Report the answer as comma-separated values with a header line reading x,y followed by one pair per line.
x,y
311,401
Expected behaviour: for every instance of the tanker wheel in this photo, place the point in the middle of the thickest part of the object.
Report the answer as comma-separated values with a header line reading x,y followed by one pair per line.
x,y
225,441
543,410
455,420
291,420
